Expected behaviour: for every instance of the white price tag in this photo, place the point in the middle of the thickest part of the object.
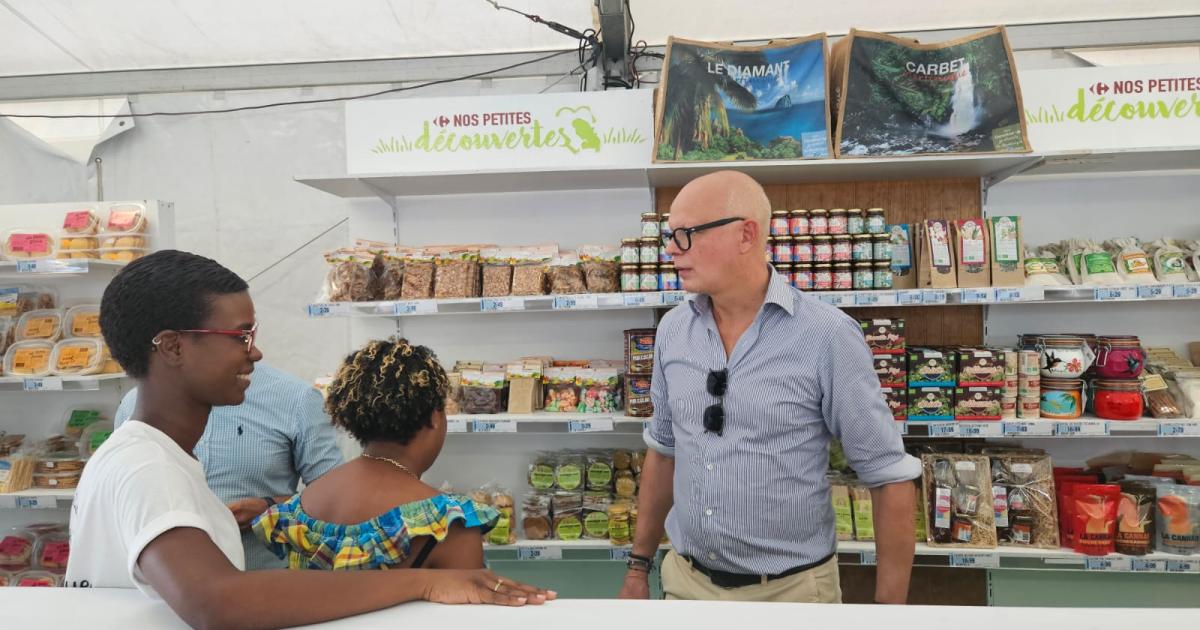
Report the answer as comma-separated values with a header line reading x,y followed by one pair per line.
x,y
52,266
539,553
575,302
590,426
671,298
493,426
329,309
1109,294
1081,428
1139,565
496,305
975,560
619,554
943,429
1183,566
875,298
48,384
933,296
980,429
456,426
414,307
837,299
977,296
910,297
1153,292
1185,291
1116,563
643,299
1028,428
1179,429
867,558
903,427
1026,294
36,503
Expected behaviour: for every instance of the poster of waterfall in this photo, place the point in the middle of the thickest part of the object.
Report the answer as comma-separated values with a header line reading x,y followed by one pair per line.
x,y
900,97
722,102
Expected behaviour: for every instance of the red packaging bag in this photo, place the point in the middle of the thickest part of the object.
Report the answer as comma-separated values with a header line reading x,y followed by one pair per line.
x,y
1064,485
1095,518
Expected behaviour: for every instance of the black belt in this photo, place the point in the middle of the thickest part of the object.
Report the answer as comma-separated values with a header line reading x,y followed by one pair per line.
x,y
724,579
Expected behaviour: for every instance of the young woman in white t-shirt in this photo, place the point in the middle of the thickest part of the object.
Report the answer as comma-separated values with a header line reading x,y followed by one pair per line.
x,y
143,516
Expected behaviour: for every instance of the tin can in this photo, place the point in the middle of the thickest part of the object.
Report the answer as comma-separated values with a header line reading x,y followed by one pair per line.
x,y
802,249
1029,408
648,248
630,252
883,275
855,222
843,277
1029,363
822,277
1012,386
780,226
781,249
1008,408
818,222
861,249
1010,363
798,222
843,249
1029,386
802,277
864,277
837,221
650,225
881,247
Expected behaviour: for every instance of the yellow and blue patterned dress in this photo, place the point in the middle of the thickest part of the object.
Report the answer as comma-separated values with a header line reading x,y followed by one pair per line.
x,y
380,543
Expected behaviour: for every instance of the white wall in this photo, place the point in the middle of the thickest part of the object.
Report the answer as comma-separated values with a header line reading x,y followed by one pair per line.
x,y
32,172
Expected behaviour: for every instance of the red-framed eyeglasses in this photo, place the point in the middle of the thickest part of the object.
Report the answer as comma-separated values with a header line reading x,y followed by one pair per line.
x,y
247,336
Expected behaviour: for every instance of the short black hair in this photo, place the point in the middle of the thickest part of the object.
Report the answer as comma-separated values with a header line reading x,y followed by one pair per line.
x,y
387,391
167,290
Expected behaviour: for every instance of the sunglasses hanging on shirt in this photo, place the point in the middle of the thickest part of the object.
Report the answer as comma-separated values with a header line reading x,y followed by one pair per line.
x,y
714,415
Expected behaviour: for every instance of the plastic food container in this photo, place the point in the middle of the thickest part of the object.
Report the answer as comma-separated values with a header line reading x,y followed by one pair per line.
x,y
83,221
28,358
122,240
110,364
78,254
122,255
94,436
1118,400
42,325
56,481
36,578
69,243
77,420
32,299
57,464
77,357
82,322
8,328
16,550
126,217
24,244
52,552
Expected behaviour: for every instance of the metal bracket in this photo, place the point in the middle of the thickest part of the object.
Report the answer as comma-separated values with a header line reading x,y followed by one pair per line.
x,y
1012,171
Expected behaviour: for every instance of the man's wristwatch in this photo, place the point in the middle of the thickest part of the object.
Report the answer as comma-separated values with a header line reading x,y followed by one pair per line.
x,y
640,563
270,501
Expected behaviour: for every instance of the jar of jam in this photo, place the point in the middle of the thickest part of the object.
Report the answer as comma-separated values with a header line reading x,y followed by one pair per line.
x,y
822,277
843,277
781,250
823,249
1118,399
862,248
802,249
843,248
779,223
630,254
668,280
863,277
802,277
631,279
876,224
648,248
650,225
798,222
818,222
664,256
837,221
1062,398
664,224
881,247
882,276
855,221
649,277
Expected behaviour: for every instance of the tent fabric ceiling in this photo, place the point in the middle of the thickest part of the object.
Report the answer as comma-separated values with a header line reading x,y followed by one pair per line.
x,y
70,36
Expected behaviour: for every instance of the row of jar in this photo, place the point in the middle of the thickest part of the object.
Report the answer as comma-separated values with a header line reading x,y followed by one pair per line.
x,y
649,277
842,276
820,222
860,248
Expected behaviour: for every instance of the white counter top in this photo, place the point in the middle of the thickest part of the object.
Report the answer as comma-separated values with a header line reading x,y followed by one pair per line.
x,y
98,609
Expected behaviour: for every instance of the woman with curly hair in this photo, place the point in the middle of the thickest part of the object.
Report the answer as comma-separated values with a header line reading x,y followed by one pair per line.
x,y
374,512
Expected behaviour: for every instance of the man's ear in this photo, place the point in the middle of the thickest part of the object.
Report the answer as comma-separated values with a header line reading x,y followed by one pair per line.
x,y
750,235
168,345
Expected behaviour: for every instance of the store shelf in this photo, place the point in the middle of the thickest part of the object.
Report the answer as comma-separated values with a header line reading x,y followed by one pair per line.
x,y
546,422
540,303
57,383
476,182
1115,161
42,269
1083,428
36,499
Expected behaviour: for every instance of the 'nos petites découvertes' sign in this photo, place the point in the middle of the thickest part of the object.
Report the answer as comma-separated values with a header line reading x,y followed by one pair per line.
x,y
1118,107
520,131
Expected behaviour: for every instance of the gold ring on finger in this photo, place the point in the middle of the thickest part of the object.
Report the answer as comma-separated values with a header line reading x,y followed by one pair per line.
x,y
498,584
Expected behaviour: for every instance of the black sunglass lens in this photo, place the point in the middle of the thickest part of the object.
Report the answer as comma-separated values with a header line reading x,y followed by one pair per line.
x,y
714,419
718,381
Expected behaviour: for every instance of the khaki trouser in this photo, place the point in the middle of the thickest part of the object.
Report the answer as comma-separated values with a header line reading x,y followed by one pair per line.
x,y
818,585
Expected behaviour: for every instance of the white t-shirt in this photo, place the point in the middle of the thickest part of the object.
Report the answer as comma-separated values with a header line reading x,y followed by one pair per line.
x,y
138,486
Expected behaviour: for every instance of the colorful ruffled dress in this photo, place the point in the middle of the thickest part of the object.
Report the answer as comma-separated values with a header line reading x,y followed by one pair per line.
x,y
380,543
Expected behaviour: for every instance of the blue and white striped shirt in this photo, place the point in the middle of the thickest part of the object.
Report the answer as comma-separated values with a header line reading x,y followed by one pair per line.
x,y
264,446
756,499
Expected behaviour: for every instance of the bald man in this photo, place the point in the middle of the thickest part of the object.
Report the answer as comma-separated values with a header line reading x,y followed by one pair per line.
x,y
752,378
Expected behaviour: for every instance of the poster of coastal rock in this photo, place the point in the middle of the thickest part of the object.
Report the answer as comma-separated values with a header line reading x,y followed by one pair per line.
x,y
725,102
899,97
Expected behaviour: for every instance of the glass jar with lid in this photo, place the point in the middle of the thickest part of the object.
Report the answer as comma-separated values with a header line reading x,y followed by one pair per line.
x,y
798,222
649,279
631,279
837,221
843,277
649,250
630,252
650,225
863,277
861,248
823,248
780,226
876,223
855,221
818,222
883,275
822,277
843,248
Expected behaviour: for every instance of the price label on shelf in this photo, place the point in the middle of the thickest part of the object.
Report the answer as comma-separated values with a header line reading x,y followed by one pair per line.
x,y
414,307
933,296
329,309
643,299
1081,428
910,297
1111,294
1140,565
1153,292
1179,429
47,384
1183,566
1024,294
943,429
867,558
493,426
619,554
36,503
645,425
1185,291
539,553
875,298
456,426
903,427
975,560
575,302
837,299
590,426
980,429
52,266
503,304
1028,428
671,298
978,296
1114,563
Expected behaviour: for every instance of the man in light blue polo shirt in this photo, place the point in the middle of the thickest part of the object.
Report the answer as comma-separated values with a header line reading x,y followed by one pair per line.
x,y
256,453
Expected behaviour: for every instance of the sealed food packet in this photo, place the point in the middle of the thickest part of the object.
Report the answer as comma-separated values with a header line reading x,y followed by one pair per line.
x,y
1025,510
456,273
1043,268
1178,519
864,513
1170,261
483,392
418,275
566,278
531,269
535,516
1096,266
349,277
496,272
843,511
505,531
561,390
541,472
595,514
1095,518
126,217
77,357
619,530
1133,263
29,359
391,276
599,470
567,508
40,325
81,222
600,266
1135,519
16,550
569,471
22,244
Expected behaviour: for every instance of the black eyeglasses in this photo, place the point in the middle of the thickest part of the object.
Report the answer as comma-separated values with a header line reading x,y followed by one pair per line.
x,y
683,236
714,416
